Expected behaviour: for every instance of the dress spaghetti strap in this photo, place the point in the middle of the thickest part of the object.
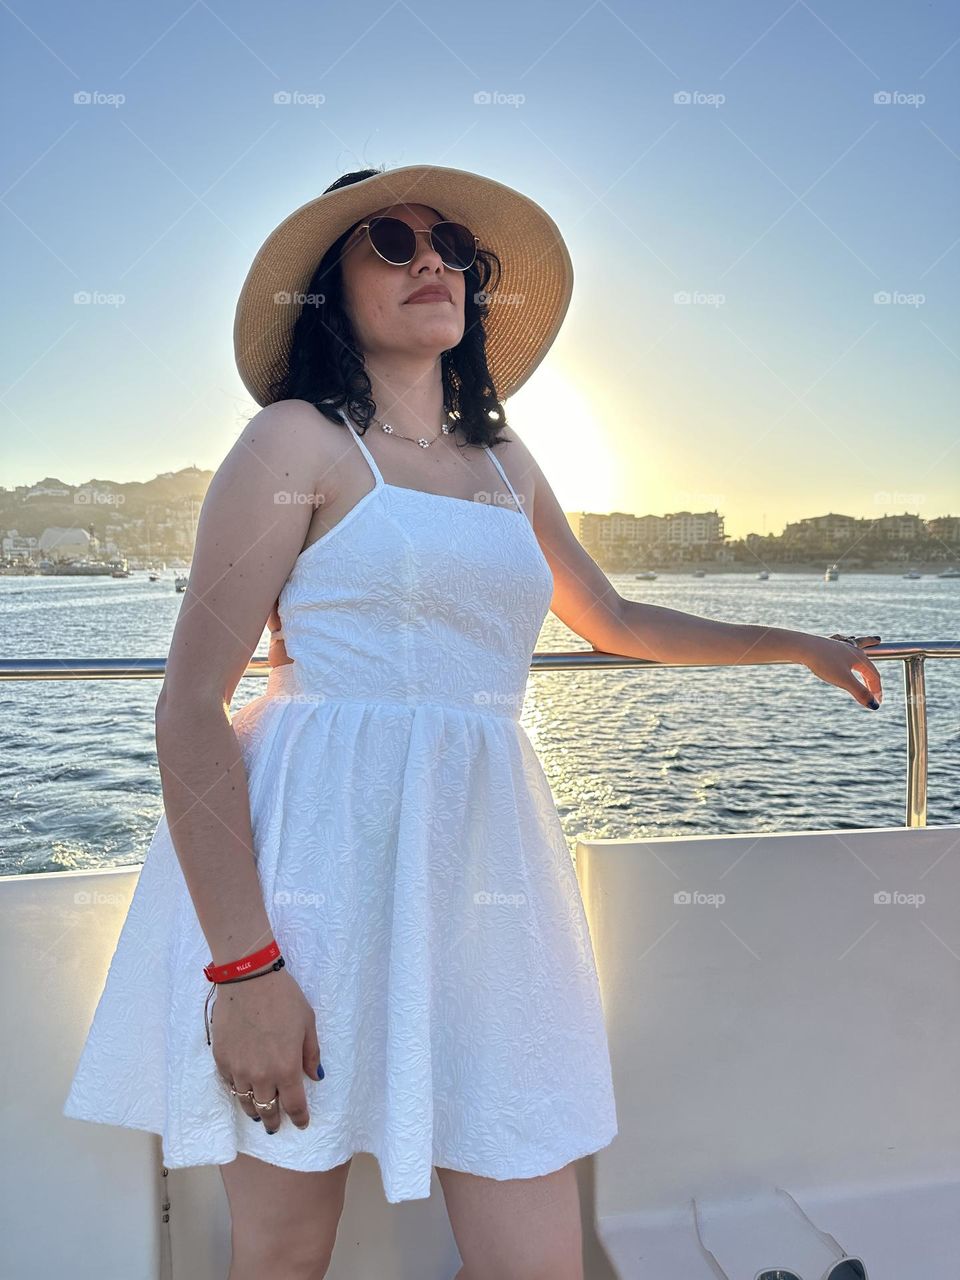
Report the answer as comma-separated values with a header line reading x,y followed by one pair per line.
x,y
506,478
363,448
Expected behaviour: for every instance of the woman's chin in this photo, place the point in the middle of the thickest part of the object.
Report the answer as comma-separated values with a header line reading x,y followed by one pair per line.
x,y
438,336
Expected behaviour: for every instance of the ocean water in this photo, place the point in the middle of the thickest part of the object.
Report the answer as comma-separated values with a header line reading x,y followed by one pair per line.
x,y
629,753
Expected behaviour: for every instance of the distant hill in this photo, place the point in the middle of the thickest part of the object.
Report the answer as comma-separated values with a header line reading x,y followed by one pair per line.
x,y
29,509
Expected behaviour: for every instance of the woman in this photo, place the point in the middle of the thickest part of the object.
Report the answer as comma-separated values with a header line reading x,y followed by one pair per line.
x,y
369,852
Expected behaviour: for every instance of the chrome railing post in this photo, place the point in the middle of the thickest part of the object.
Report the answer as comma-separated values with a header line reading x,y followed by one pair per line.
x,y
915,698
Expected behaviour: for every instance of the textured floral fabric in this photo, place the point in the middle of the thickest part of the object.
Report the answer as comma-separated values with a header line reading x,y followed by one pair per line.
x,y
413,867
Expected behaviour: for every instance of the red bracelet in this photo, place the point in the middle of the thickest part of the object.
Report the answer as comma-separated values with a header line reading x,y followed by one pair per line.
x,y
236,968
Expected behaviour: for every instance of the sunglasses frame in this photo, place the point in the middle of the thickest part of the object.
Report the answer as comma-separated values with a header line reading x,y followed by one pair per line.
x,y
418,231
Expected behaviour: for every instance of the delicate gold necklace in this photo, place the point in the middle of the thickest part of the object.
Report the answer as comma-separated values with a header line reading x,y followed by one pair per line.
x,y
422,441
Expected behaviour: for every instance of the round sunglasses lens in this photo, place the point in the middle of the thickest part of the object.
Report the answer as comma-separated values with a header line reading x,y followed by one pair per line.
x,y
454,243
848,1269
393,240
777,1274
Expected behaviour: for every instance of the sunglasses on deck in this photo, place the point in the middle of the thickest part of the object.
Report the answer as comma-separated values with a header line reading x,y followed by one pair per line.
x,y
396,242
845,1268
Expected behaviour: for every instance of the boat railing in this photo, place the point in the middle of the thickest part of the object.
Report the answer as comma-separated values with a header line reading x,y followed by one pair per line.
x,y
912,656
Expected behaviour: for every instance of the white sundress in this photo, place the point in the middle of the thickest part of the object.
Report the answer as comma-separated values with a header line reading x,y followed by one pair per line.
x,y
413,867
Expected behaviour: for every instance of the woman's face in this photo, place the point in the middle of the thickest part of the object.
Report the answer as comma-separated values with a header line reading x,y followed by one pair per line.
x,y
376,293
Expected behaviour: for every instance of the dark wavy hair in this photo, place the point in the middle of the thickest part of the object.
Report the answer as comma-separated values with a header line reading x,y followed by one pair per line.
x,y
326,365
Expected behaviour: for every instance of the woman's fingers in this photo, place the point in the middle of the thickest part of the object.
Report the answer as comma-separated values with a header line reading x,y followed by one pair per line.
x,y
264,1091
869,690
244,1101
872,677
288,1098
293,1100
311,1051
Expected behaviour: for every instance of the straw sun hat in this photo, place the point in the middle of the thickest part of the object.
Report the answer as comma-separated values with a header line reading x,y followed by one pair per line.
x,y
525,309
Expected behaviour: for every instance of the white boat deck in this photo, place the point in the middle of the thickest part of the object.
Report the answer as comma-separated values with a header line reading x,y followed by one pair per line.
x,y
800,1034
797,1034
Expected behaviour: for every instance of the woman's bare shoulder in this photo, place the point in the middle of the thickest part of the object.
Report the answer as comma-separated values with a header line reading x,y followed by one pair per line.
x,y
519,464
295,433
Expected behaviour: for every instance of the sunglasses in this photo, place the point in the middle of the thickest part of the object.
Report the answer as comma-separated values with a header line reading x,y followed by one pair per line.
x,y
396,242
845,1268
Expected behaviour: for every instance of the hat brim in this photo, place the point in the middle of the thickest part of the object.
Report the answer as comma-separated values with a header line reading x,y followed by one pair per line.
x,y
525,310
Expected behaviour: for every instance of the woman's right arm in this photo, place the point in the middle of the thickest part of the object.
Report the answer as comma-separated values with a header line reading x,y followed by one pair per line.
x,y
252,526
248,536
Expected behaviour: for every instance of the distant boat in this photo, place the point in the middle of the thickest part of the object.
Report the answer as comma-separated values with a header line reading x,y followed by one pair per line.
x,y
180,582
832,573
647,576
912,574
763,575
949,573
154,577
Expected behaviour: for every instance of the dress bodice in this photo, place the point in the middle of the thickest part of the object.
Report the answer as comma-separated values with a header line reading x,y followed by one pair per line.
x,y
417,597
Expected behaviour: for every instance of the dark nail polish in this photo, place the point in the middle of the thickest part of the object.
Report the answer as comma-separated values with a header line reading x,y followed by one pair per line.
x,y
873,704
255,1119
320,1071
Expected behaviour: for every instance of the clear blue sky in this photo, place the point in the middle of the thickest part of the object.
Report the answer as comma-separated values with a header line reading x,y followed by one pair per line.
x,y
797,199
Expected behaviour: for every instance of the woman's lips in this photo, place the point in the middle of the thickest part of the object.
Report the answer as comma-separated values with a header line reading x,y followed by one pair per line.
x,y
430,295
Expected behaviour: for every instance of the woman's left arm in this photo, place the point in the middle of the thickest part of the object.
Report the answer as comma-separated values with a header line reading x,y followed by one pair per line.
x,y
588,603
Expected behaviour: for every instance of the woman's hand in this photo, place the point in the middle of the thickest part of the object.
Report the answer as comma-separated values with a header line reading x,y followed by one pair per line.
x,y
265,1038
836,660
